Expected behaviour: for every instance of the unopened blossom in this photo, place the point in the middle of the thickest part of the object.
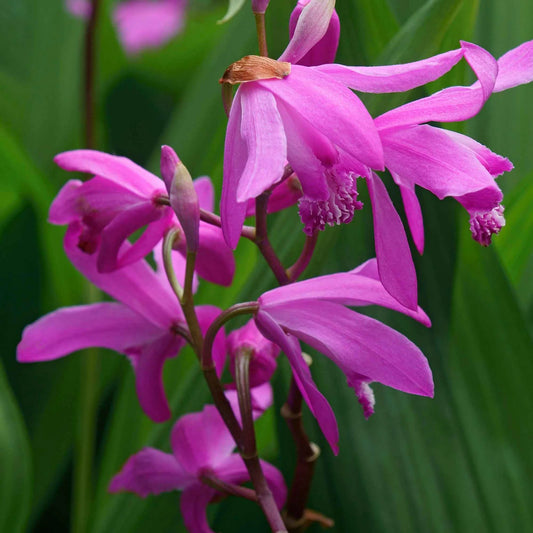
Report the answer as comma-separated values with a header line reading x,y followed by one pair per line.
x,y
145,324
122,198
261,351
140,24
202,449
364,349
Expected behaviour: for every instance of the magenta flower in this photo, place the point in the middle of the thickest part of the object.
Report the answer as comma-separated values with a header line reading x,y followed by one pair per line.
x,y
140,24
262,351
123,198
448,163
364,349
201,449
144,326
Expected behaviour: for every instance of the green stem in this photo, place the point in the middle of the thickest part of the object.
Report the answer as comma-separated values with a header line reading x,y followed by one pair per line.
x,y
261,34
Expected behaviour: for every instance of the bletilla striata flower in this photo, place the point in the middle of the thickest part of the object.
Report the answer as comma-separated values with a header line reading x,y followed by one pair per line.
x,y
202,450
364,349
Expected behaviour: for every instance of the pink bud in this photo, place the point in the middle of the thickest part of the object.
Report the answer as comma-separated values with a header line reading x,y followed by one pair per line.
x,y
183,197
259,6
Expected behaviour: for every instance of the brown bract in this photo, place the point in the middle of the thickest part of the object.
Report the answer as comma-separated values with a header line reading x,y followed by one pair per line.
x,y
253,68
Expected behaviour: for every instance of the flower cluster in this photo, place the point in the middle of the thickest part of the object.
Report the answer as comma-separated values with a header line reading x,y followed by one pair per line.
x,y
297,133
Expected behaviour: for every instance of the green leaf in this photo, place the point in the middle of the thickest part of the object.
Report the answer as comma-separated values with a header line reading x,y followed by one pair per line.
x,y
15,463
234,7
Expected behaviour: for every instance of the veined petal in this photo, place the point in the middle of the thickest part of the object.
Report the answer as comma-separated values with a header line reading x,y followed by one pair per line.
x,y
262,131
124,225
120,170
413,212
136,285
395,264
515,67
342,117
201,440
393,78
235,156
484,66
361,346
193,504
312,25
148,361
150,471
67,330
318,405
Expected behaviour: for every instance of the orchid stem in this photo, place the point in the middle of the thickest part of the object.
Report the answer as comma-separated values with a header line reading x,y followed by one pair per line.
x,y
247,231
249,448
90,365
296,270
261,34
229,489
168,243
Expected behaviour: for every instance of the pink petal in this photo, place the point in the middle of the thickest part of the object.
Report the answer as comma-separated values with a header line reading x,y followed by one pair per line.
x,y
359,345
150,471
311,26
396,268
136,285
342,117
193,503
146,24
205,192
201,440
120,170
124,225
394,78
262,131
515,67
235,156
67,330
318,405
79,8
413,212
148,364
325,49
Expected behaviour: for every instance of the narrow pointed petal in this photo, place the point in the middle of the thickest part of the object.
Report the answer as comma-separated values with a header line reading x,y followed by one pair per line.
x,y
262,131
148,364
124,225
318,405
150,471
235,156
313,23
115,168
359,345
484,66
393,78
135,285
413,212
193,503
320,99
396,268
515,67
64,208
201,440
67,330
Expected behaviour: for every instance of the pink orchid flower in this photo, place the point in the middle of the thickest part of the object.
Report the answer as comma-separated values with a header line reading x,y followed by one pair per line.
x,y
144,325
201,449
123,198
140,24
364,349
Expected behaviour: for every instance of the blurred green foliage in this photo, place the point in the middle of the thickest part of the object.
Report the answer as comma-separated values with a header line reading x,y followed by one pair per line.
x,y
461,462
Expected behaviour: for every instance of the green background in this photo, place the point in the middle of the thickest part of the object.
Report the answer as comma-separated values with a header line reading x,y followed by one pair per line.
x,y
460,462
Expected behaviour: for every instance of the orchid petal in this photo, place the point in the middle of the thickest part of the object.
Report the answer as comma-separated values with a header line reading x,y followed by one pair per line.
x,y
515,67
359,345
262,131
205,192
120,170
393,78
148,364
193,504
320,99
396,268
201,440
318,405
413,212
312,25
235,156
150,471
67,330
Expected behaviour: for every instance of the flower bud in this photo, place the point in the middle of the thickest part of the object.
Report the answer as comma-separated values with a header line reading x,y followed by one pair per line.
x,y
262,351
183,197
259,6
